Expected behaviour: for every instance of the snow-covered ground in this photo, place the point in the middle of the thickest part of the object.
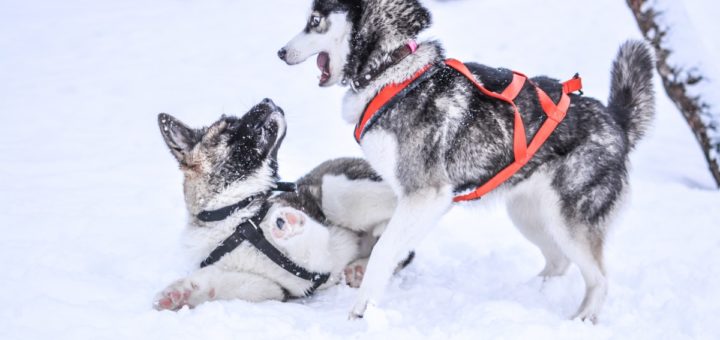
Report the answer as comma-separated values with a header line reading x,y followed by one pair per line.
x,y
91,205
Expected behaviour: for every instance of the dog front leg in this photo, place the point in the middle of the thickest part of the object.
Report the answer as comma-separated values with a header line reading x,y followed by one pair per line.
x,y
212,283
415,215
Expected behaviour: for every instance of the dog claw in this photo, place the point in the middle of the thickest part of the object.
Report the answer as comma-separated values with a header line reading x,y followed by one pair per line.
x,y
177,295
592,319
358,312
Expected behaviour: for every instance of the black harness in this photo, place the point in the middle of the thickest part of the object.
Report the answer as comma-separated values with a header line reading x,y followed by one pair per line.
x,y
250,231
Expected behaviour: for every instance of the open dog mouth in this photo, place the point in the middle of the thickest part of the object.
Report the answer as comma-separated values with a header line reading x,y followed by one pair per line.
x,y
323,63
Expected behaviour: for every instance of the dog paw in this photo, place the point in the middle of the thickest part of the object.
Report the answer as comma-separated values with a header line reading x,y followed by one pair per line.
x,y
554,269
181,293
358,311
286,223
587,316
354,275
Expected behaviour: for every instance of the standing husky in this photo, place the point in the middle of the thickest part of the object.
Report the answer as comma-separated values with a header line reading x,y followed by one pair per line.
x,y
234,160
444,137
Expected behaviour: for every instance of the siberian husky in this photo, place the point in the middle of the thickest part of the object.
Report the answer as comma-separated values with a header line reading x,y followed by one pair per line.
x,y
325,224
444,138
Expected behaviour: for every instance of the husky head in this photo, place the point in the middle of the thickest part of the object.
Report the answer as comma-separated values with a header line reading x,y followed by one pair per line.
x,y
231,160
351,37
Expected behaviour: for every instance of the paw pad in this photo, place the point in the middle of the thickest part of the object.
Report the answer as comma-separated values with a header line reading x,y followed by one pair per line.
x,y
287,223
354,275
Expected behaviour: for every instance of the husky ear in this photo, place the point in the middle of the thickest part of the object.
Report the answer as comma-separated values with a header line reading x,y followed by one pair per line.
x,y
351,3
379,33
179,137
418,17
409,18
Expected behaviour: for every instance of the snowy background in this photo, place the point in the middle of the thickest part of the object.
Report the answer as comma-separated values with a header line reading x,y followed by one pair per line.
x,y
91,203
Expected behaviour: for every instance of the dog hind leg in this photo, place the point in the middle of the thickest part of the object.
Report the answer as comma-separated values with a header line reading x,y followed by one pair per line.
x,y
564,243
591,183
532,207
588,259
527,213
535,208
556,263
582,243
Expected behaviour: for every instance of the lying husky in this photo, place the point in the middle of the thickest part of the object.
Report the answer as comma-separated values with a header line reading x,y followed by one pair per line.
x,y
443,137
233,164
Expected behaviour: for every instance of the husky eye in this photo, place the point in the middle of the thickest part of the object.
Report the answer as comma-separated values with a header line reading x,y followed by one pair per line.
x,y
234,126
315,20
194,167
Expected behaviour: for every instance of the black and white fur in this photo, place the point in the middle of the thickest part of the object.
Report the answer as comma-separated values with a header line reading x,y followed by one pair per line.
x,y
446,138
235,158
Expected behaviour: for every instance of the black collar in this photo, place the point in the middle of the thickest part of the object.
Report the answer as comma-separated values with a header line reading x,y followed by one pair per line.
x,y
224,212
362,80
285,187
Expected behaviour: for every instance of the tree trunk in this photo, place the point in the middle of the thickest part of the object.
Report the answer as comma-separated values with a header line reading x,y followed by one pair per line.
x,y
676,81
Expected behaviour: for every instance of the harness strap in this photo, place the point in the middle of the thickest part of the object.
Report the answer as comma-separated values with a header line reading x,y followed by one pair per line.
x,y
249,231
285,187
387,97
255,236
522,152
235,239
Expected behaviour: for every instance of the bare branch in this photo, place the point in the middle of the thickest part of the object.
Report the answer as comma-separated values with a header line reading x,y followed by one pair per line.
x,y
676,81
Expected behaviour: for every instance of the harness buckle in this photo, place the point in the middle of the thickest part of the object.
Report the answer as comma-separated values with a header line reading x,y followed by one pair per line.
x,y
253,224
577,76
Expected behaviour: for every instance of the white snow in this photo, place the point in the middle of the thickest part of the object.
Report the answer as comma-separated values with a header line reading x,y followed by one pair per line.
x,y
91,203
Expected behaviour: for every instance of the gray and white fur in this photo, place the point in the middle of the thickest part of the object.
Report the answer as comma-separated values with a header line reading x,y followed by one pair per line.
x,y
445,138
235,158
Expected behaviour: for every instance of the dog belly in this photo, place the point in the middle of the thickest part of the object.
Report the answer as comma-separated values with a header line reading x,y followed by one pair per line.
x,y
359,205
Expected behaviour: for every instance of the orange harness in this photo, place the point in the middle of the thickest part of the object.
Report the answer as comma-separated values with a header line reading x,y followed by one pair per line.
x,y
523,152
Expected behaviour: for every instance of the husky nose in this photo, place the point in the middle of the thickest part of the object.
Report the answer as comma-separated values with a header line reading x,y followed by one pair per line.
x,y
282,54
269,102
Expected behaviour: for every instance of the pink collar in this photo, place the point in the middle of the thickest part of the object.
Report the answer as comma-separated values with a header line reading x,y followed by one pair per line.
x,y
412,45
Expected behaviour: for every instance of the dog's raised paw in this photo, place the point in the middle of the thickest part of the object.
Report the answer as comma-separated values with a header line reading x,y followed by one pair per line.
x,y
286,223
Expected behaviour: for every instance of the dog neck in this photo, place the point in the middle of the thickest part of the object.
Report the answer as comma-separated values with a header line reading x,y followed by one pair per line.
x,y
355,102
362,80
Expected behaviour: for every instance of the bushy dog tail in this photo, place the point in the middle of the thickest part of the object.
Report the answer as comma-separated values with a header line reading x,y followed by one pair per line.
x,y
632,98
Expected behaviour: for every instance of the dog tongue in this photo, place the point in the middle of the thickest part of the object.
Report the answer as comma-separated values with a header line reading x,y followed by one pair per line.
x,y
322,61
